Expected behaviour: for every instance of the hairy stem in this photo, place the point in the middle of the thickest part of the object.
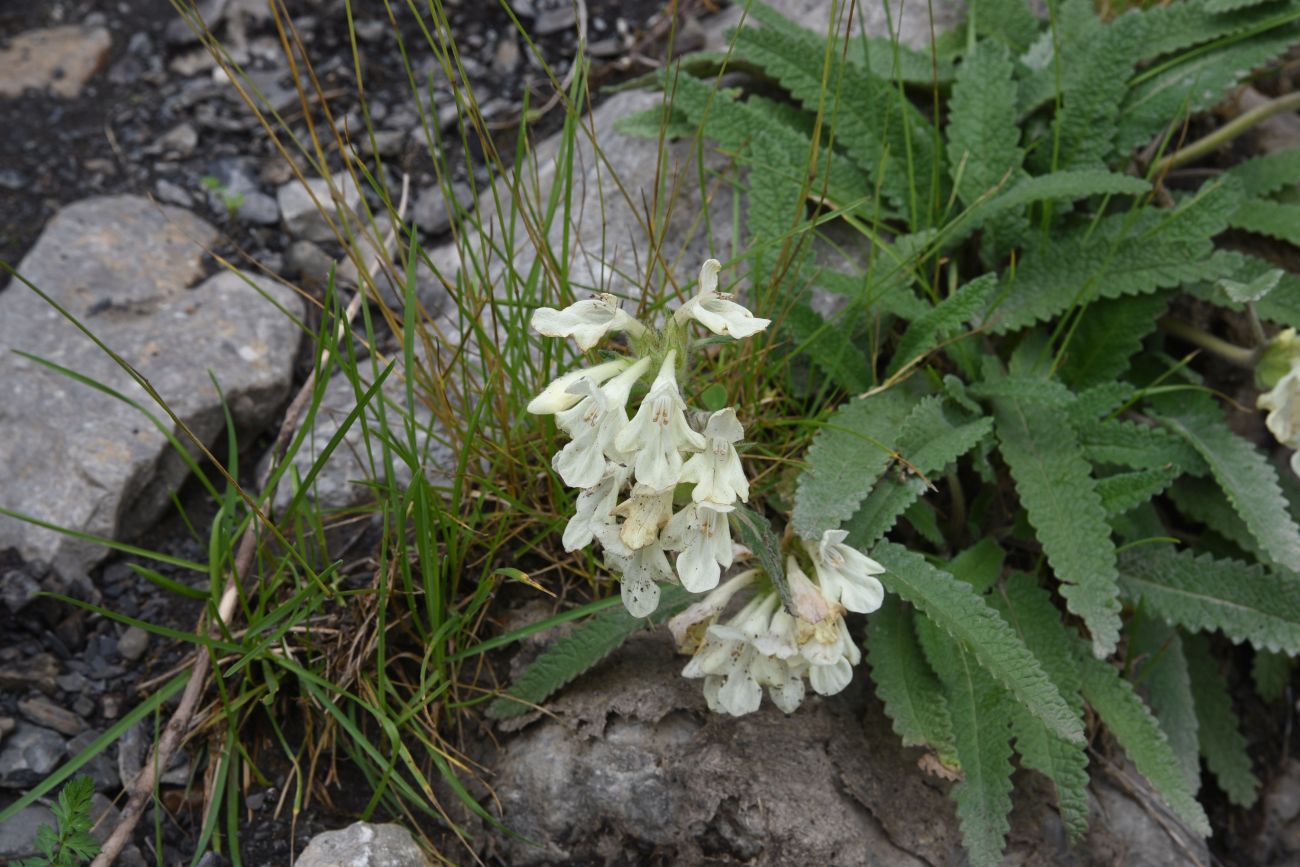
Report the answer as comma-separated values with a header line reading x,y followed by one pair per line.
x,y
1228,132
1238,355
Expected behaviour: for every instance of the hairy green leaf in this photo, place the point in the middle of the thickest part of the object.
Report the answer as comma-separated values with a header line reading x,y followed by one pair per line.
x,y
1199,593
942,320
1265,175
829,348
1275,219
1124,491
1112,441
932,436
1160,671
1056,488
1109,334
1270,672
1203,501
755,533
1099,400
575,653
1011,22
1221,742
911,693
956,608
983,136
849,452
980,565
1096,64
1143,740
1247,478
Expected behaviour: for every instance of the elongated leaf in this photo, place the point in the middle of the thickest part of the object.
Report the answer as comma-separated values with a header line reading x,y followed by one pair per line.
x,y
1203,501
1221,742
1202,593
980,565
1113,699
1275,219
932,436
1011,22
1030,611
983,135
575,653
1270,673
945,318
830,348
963,614
1124,491
1109,335
1246,477
847,455
1162,676
1096,63
1267,174
755,533
1132,445
1056,488
1099,400
911,693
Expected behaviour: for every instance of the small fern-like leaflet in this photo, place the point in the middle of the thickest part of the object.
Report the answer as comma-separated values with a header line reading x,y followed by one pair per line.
x,y
1221,743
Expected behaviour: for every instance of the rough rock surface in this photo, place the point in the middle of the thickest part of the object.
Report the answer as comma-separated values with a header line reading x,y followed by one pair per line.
x,y
61,59
301,204
78,458
363,845
342,481
28,755
632,766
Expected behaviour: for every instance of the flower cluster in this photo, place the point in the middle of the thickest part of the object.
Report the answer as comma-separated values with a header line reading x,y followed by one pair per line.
x,y
1283,400
628,470
765,645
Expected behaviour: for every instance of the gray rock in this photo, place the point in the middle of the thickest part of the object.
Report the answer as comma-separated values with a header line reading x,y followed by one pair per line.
x,y
236,190
301,204
43,712
432,212
35,672
29,754
386,142
555,19
100,768
18,589
308,261
60,59
343,481
179,31
132,643
362,844
131,748
259,209
506,56
180,140
172,194
18,832
81,459
7,724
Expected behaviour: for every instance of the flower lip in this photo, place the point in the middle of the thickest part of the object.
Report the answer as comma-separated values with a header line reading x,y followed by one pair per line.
x,y
586,321
557,397
716,311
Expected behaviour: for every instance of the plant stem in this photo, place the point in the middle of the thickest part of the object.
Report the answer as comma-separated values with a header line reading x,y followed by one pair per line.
x,y
1227,132
1238,355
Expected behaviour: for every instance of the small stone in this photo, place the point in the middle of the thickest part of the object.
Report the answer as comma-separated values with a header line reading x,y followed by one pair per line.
x,y
7,724
83,706
300,205
364,845
507,55
61,59
180,140
28,756
554,20
12,179
18,832
43,712
370,30
37,672
172,194
72,682
386,143
132,644
110,706
259,209
100,768
308,261
179,31
18,589
432,213
130,752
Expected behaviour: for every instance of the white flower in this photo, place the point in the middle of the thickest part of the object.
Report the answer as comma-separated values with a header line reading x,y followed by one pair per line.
x,y
643,513
1283,404
557,397
735,665
594,509
717,312
586,321
716,471
701,533
593,423
689,626
638,573
809,603
845,574
659,431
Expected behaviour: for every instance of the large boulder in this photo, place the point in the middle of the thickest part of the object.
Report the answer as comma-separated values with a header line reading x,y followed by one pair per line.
x,y
76,457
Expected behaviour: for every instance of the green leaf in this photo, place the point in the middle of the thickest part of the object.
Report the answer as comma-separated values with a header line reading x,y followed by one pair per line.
x,y
911,693
981,724
1280,305
1221,741
1203,501
1160,671
1143,740
849,452
1246,477
1271,672
1108,336
942,320
1127,444
1011,22
652,123
1056,488
956,608
756,534
575,653
932,436
1265,175
1124,491
980,565
1274,219
1030,611
1201,593
1099,400
830,348
983,133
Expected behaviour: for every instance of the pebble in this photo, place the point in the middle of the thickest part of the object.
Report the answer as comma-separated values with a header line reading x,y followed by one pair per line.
x,y
100,767
302,215
172,194
507,55
363,843
18,589
37,672
28,756
431,211
386,143
7,724
133,643
180,140
554,20
43,712
12,179
60,59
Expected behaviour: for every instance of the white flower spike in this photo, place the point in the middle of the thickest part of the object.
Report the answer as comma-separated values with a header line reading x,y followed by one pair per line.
x,y
595,509
643,513
702,535
639,573
717,312
585,321
1283,404
659,431
716,471
688,627
845,574
557,397
593,422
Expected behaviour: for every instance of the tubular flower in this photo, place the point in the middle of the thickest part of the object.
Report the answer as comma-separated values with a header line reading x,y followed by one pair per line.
x,y
585,321
716,311
557,396
643,514
688,628
659,431
845,574
1283,405
641,569
593,422
595,509
701,533
716,471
